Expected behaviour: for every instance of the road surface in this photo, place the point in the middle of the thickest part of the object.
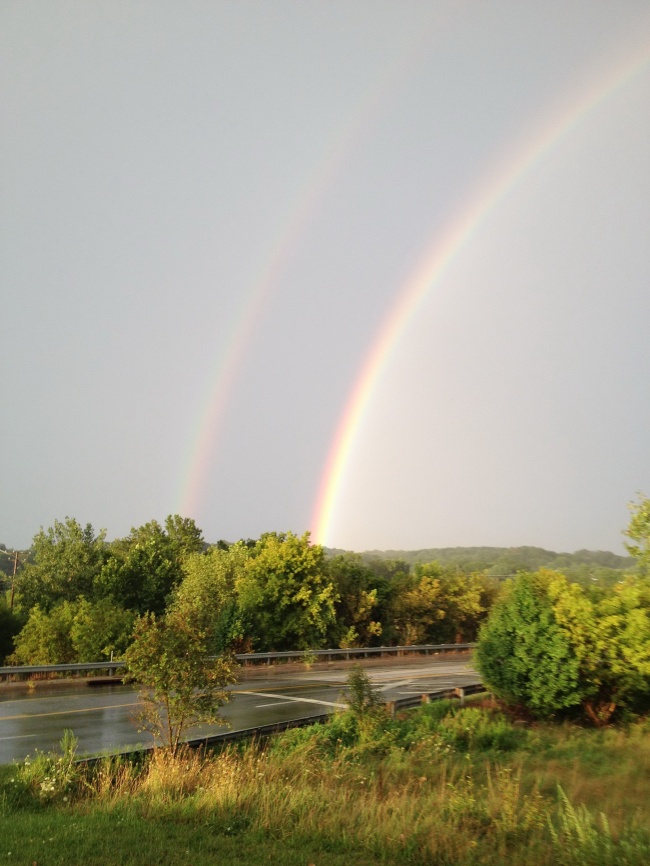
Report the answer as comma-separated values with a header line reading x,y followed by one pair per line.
x,y
103,717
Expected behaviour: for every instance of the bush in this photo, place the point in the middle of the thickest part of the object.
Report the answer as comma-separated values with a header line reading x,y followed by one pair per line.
x,y
363,699
523,655
550,645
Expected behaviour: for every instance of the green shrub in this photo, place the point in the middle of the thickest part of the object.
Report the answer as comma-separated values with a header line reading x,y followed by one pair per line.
x,y
479,730
523,655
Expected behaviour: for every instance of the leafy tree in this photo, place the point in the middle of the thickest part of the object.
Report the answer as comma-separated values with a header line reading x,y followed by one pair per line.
x,y
184,535
355,623
461,599
416,608
100,630
66,560
147,565
207,595
638,531
610,637
180,684
46,638
285,596
551,644
74,631
363,699
523,654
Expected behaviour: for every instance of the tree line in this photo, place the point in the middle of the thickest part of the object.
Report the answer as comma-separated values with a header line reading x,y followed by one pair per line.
x,y
547,645
78,597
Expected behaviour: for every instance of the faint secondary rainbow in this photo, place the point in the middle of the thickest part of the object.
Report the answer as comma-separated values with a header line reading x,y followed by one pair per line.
x,y
203,443
445,248
229,360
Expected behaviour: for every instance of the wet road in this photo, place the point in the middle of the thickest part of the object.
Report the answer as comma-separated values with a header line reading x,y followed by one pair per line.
x,y
103,717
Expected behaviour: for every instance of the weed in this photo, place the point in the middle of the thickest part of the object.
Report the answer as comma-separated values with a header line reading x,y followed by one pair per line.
x,y
49,777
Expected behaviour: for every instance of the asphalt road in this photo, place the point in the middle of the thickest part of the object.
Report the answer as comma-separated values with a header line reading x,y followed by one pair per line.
x,y
103,717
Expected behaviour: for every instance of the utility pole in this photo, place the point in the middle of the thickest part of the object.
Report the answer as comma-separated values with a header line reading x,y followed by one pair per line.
x,y
13,581
13,576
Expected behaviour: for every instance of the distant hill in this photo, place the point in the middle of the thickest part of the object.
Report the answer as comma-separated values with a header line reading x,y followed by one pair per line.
x,y
505,561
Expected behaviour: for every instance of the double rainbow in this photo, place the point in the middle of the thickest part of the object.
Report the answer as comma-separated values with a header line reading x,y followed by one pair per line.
x,y
335,153
444,248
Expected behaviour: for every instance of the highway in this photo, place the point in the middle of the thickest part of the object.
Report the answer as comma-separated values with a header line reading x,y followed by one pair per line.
x,y
103,717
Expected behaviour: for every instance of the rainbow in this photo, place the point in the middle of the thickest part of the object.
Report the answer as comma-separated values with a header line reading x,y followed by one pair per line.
x,y
204,440
440,254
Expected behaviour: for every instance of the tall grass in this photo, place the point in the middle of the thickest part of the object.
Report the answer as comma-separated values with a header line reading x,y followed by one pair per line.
x,y
442,785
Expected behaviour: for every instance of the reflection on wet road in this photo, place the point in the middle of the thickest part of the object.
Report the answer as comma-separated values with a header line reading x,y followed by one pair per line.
x,y
103,718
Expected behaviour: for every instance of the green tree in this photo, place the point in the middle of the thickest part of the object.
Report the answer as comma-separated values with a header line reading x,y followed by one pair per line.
x,y
355,621
66,559
184,535
609,635
523,654
100,630
73,631
46,638
460,597
145,567
207,596
181,685
363,698
284,595
638,531
417,608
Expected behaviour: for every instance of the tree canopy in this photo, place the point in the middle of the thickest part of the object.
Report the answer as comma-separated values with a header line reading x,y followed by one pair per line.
x,y
284,594
66,560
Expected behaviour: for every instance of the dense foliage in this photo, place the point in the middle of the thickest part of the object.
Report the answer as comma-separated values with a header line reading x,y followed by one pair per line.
x,y
78,596
549,645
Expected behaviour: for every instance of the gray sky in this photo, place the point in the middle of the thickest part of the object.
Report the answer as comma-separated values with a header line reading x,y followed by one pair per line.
x,y
209,209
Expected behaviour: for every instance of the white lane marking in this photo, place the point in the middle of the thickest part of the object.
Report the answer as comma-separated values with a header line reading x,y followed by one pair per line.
x,y
19,737
274,704
290,698
69,712
435,686
419,693
396,685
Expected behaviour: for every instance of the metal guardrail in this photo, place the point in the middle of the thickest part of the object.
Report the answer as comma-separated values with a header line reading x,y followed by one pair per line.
x,y
460,692
73,668
351,652
245,658
262,731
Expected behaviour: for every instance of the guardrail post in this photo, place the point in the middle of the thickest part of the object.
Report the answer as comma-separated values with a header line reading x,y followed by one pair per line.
x,y
460,693
390,707
426,699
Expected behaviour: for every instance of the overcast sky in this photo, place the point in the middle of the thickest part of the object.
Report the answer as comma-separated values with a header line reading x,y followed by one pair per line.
x,y
210,209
